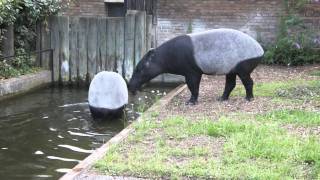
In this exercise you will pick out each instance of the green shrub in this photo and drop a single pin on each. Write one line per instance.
(295, 43)
(286, 51)
(25, 14)
(6, 70)
(20, 65)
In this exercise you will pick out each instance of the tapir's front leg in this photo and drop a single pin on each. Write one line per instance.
(193, 82)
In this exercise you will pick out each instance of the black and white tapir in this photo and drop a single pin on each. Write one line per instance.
(108, 95)
(215, 52)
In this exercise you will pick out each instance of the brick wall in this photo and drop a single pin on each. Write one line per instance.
(86, 8)
(259, 18)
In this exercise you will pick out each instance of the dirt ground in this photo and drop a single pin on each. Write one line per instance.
(208, 106)
(212, 87)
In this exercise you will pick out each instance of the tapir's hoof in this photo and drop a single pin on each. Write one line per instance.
(192, 103)
(221, 99)
(249, 99)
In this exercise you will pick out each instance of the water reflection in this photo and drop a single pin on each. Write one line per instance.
(45, 133)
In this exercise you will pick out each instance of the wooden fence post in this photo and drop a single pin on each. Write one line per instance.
(120, 46)
(82, 46)
(45, 44)
(149, 33)
(38, 42)
(140, 36)
(102, 38)
(55, 45)
(129, 29)
(92, 48)
(64, 48)
(111, 44)
(74, 53)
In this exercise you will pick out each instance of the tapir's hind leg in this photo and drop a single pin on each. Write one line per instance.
(229, 86)
(243, 70)
(193, 82)
(248, 85)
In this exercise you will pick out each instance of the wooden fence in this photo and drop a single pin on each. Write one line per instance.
(150, 6)
(83, 46)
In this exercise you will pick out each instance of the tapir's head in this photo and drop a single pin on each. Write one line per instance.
(148, 68)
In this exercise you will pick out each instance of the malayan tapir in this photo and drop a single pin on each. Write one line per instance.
(108, 95)
(214, 52)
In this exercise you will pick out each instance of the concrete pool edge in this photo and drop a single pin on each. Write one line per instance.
(84, 165)
(22, 84)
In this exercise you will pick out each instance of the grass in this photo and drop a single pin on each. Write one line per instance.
(238, 145)
(287, 116)
(295, 90)
(315, 73)
(252, 150)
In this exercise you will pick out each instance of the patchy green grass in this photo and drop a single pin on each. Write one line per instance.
(251, 150)
(268, 152)
(224, 128)
(298, 117)
(294, 90)
(242, 144)
(264, 89)
(315, 73)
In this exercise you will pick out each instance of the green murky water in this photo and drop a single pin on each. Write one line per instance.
(45, 133)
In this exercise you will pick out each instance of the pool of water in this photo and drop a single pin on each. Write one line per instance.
(46, 132)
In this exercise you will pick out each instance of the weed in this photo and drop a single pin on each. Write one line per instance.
(252, 150)
(298, 117)
(295, 90)
(315, 73)
(295, 43)
(17, 66)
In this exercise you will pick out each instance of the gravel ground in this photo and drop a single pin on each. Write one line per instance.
(211, 88)
(209, 107)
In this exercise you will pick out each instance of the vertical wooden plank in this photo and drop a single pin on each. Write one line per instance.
(82, 46)
(102, 38)
(55, 44)
(111, 44)
(92, 47)
(74, 53)
(140, 36)
(45, 44)
(149, 32)
(148, 6)
(129, 29)
(120, 45)
(64, 48)
(38, 42)
(154, 12)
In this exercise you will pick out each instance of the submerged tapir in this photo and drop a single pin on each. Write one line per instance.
(215, 52)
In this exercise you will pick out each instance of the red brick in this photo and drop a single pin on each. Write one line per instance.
(260, 17)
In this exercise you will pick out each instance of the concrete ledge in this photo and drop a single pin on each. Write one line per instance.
(168, 78)
(79, 171)
(22, 84)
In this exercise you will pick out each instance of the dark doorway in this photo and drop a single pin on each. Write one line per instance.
(116, 9)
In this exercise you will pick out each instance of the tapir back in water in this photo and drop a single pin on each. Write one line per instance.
(215, 52)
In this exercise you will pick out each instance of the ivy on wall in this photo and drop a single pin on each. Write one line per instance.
(23, 15)
(296, 44)
(31, 10)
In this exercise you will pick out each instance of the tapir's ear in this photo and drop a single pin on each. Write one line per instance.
(151, 51)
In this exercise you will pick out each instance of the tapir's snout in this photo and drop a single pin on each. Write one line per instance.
(132, 88)
(133, 92)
